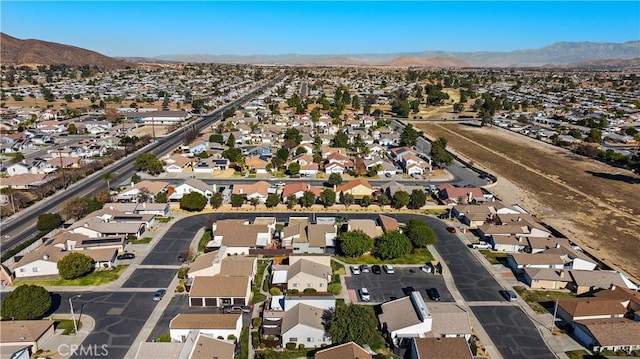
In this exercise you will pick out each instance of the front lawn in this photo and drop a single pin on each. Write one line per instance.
(419, 256)
(164, 219)
(143, 240)
(67, 325)
(206, 237)
(244, 344)
(542, 301)
(100, 277)
(256, 296)
(494, 257)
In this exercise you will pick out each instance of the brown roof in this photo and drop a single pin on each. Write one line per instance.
(352, 184)
(159, 350)
(260, 187)
(581, 307)
(235, 233)
(349, 350)
(368, 226)
(237, 266)
(619, 293)
(292, 188)
(302, 314)
(316, 234)
(219, 286)
(596, 278)
(442, 348)
(449, 318)
(388, 224)
(205, 321)
(398, 314)
(212, 348)
(152, 186)
(309, 267)
(613, 331)
(547, 274)
(13, 330)
(538, 258)
(203, 261)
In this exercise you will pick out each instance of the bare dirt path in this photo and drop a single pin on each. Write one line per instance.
(595, 205)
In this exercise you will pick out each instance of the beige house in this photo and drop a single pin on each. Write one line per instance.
(219, 290)
(309, 272)
(218, 262)
(349, 350)
(17, 334)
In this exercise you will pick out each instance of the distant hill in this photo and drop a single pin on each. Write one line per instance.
(611, 64)
(36, 52)
(557, 54)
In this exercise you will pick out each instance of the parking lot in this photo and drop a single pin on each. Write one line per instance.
(384, 287)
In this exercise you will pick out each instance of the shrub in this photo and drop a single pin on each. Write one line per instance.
(180, 289)
(291, 346)
(275, 291)
(335, 288)
(193, 202)
(75, 265)
(310, 290)
(182, 272)
(301, 346)
(26, 302)
(231, 337)
(255, 322)
(293, 291)
(48, 222)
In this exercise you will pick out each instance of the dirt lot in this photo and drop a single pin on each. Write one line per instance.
(597, 206)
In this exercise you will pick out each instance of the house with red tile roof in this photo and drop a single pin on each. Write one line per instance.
(359, 188)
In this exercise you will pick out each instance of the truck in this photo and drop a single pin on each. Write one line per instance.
(481, 245)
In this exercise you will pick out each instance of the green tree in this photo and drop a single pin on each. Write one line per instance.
(292, 200)
(355, 243)
(236, 200)
(193, 202)
(383, 200)
(365, 202)
(216, 138)
(108, 178)
(48, 222)
(293, 169)
(420, 233)
(75, 208)
(400, 199)
(341, 139)
(26, 302)
(233, 154)
(458, 107)
(216, 200)
(75, 265)
(135, 178)
(308, 199)
(409, 136)
(272, 200)
(417, 199)
(162, 197)
(347, 199)
(439, 152)
(393, 245)
(148, 162)
(595, 136)
(354, 323)
(300, 150)
(72, 129)
(231, 140)
(292, 137)
(328, 197)
(334, 179)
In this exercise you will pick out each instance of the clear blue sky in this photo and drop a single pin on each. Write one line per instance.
(122, 28)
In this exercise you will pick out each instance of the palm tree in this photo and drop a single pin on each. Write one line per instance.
(108, 177)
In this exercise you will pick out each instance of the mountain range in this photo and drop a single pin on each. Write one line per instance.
(562, 54)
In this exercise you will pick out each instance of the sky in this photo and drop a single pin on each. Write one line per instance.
(154, 28)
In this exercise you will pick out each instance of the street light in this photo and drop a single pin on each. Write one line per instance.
(73, 316)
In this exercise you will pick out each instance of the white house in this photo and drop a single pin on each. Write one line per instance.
(191, 185)
(304, 324)
(406, 317)
(225, 326)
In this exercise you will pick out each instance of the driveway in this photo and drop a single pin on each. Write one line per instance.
(150, 278)
(178, 238)
(384, 287)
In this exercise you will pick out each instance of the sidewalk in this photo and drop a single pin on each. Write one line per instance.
(63, 345)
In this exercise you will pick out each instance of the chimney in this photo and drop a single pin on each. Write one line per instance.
(561, 274)
(557, 245)
(308, 186)
(519, 219)
(612, 287)
(132, 184)
(334, 188)
(241, 190)
(144, 205)
(470, 197)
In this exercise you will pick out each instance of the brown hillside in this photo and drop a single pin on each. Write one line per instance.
(428, 62)
(16, 52)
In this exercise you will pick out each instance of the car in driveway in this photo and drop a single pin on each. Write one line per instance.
(236, 309)
(388, 268)
(126, 256)
(365, 295)
(481, 245)
(510, 295)
(364, 268)
(451, 230)
(157, 296)
(355, 270)
(433, 294)
(376, 269)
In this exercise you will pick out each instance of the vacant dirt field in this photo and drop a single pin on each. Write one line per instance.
(595, 205)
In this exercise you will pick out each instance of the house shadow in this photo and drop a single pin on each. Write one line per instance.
(615, 177)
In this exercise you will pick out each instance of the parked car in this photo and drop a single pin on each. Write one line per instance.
(157, 296)
(510, 295)
(355, 270)
(246, 309)
(364, 268)
(364, 295)
(451, 230)
(481, 245)
(236, 309)
(426, 268)
(126, 256)
(388, 268)
(433, 294)
(376, 269)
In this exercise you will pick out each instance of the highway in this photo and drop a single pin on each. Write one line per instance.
(22, 226)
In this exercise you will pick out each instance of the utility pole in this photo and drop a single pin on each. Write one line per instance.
(553, 321)
(64, 180)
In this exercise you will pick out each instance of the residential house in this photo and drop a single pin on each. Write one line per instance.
(586, 281)
(617, 334)
(414, 165)
(207, 347)
(139, 192)
(322, 300)
(219, 290)
(380, 166)
(388, 224)
(298, 189)
(25, 181)
(449, 320)
(309, 272)
(358, 188)
(368, 226)
(406, 317)
(475, 215)
(390, 188)
(239, 236)
(218, 262)
(259, 190)
(210, 165)
(546, 278)
(257, 164)
(18, 334)
(304, 324)
(191, 185)
(107, 222)
(337, 162)
(439, 348)
(348, 350)
(461, 195)
(177, 163)
(227, 326)
(519, 261)
(158, 209)
(158, 117)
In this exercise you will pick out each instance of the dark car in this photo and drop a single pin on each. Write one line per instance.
(157, 296)
(408, 290)
(126, 256)
(451, 230)
(364, 268)
(376, 269)
(433, 294)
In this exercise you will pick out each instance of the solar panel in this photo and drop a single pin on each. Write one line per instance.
(101, 241)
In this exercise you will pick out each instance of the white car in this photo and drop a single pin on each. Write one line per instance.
(481, 245)
(388, 269)
(364, 295)
(355, 270)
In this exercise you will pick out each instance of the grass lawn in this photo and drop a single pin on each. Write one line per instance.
(143, 240)
(542, 301)
(164, 219)
(244, 344)
(494, 257)
(206, 237)
(94, 278)
(419, 256)
(67, 325)
(284, 354)
(256, 296)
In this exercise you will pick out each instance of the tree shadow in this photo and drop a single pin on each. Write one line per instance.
(56, 300)
(616, 177)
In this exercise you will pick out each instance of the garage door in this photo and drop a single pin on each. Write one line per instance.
(210, 302)
(195, 302)
(238, 301)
